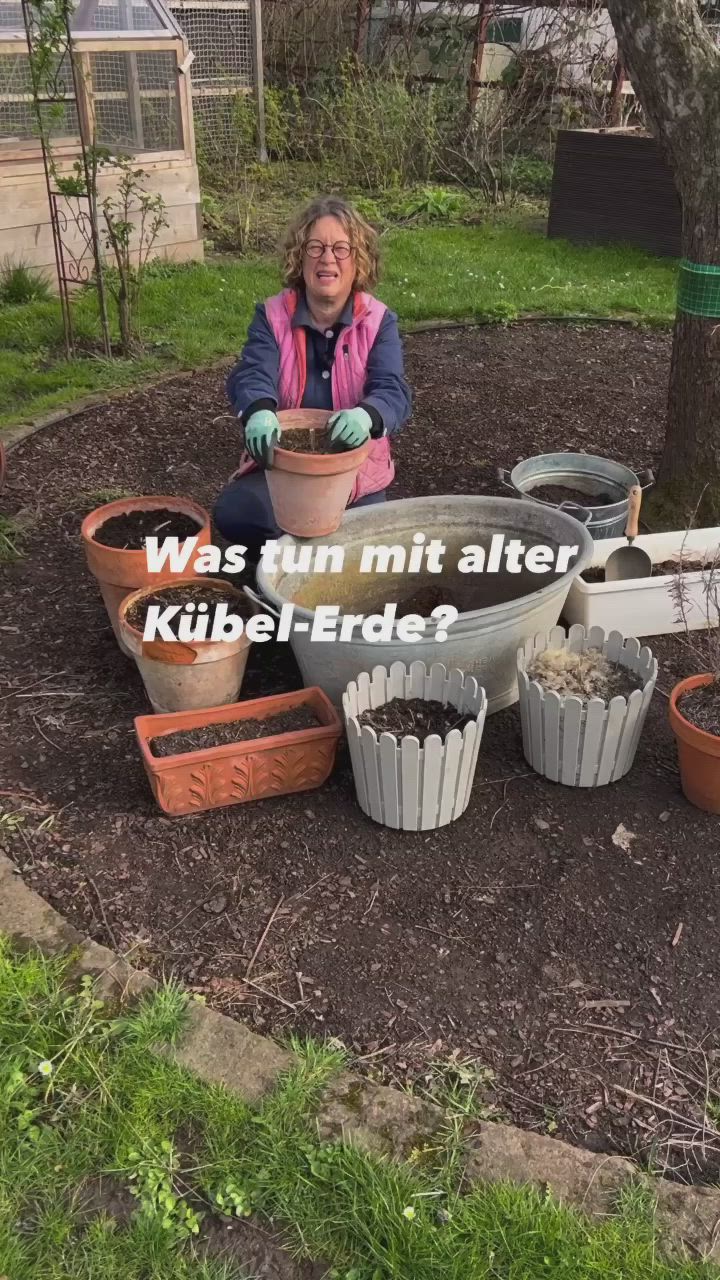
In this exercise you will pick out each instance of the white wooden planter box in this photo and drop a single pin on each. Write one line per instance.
(401, 783)
(644, 606)
(576, 743)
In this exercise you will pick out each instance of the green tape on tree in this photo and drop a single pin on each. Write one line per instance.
(699, 290)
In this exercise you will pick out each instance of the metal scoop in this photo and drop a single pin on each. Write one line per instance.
(629, 562)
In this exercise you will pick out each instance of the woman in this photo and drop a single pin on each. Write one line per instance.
(324, 342)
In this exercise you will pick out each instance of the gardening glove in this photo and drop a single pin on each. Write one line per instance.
(349, 428)
(262, 433)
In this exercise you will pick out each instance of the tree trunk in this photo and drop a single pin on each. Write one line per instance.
(674, 66)
(690, 469)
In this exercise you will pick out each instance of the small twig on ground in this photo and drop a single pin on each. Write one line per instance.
(426, 929)
(14, 692)
(106, 922)
(510, 777)
(25, 795)
(270, 994)
(371, 904)
(44, 735)
(301, 989)
(376, 1053)
(606, 1004)
(631, 1035)
(53, 693)
(677, 934)
(504, 801)
(543, 1067)
(659, 1106)
(263, 936)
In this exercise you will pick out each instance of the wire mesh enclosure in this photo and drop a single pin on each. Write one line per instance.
(136, 100)
(126, 54)
(120, 82)
(224, 36)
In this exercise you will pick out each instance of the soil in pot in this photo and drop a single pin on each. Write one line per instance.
(186, 594)
(127, 532)
(302, 441)
(582, 675)
(414, 717)
(561, 493)
(424, 599)
(701, 707)
(658, 570)
(292, 720)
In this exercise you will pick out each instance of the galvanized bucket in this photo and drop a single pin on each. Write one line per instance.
(586, 473)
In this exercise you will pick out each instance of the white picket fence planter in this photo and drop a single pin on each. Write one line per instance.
(576, 743)
(401, 783)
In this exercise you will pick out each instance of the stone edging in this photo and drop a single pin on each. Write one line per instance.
(380, 1120)
(14, 435)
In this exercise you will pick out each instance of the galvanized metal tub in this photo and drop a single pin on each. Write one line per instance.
(586, 473)
(482, 642)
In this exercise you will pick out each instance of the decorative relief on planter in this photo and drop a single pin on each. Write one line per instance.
(237, 772)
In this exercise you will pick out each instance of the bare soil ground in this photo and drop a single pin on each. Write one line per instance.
(566, 941)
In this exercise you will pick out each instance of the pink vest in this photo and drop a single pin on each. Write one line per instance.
(348, 376)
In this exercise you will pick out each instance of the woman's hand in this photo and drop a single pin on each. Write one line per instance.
(262, 433)
(349, 428)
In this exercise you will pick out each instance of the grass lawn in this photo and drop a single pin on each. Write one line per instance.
(83, 1099)
(195, 314)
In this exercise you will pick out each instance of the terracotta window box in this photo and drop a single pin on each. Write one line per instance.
(250, 769)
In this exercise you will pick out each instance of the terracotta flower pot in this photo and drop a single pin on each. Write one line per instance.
(117, 571)
(186, 677)
(310, 491)
(698, 751)
(238, 772)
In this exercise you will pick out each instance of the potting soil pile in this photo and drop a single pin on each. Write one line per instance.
(216, 735)
(664, 569)
(302, 441)
(701, 707)
(582, 675)
(414, 717)
(187, 594)
(558, 493)
(127, 532)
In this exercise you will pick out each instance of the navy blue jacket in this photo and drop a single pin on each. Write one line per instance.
(253, 382)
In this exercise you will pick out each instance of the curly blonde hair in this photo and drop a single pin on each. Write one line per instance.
(362, 237)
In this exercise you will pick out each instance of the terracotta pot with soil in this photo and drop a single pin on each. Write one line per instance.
(694, 712)
(200, 760)
(584, 698)
(187, 675)
(414, 736)
(114, 540)
(309, 485)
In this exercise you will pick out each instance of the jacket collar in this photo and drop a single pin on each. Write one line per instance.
(301, 317)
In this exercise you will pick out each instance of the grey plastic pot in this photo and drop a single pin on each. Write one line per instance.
(584, 743)
(586, 473)
(482, 641)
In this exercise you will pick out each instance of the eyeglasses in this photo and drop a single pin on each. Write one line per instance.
(316, 248)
